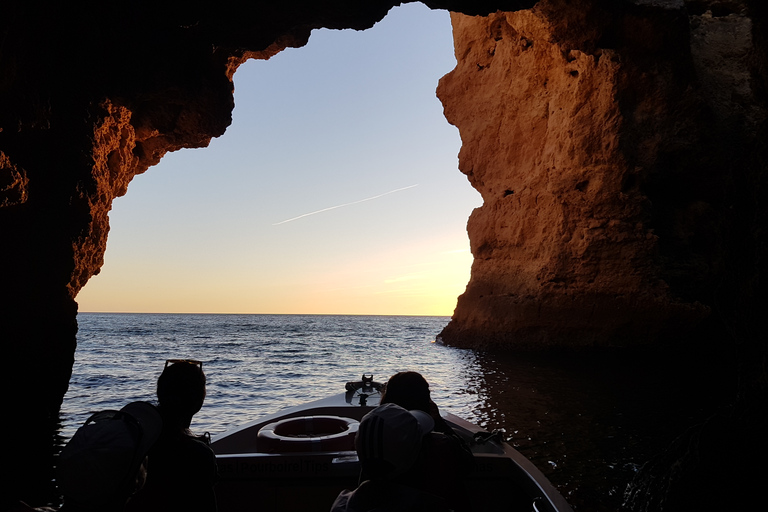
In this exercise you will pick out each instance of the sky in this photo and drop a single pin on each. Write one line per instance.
(336, 190)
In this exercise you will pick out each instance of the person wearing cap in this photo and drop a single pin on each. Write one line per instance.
(389, 447)
(447, 458)
(181, 471)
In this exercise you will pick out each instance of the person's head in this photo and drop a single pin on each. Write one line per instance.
(388, 441)
(181, 388)
(409, 390)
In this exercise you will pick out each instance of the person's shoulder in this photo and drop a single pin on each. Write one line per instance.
(441, 440)
(404, 498)
(186, 452)
(341, 503)
(451, 451)
(199, 448)
(198, 442)
(387, 496)
(368, 496)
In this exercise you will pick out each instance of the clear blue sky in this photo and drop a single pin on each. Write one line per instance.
(346, 129)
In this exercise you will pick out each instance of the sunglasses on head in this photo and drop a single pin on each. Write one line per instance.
(184, 361)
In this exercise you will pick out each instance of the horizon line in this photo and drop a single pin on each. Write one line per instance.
(263, 314)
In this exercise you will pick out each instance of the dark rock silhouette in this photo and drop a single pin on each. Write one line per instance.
(619, 147)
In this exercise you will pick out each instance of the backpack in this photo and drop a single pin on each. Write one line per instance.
(100, 464)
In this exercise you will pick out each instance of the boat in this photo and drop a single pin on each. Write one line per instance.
(300, 458)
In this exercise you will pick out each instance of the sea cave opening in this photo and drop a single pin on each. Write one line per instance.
(334, 191)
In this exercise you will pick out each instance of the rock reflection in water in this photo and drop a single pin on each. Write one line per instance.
(590, 421)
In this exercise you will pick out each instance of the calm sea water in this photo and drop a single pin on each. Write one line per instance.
(257, 364)
(588, 422)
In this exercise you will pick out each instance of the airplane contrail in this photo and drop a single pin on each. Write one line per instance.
(345, 204)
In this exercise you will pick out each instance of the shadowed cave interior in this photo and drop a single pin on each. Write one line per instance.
(619, 148)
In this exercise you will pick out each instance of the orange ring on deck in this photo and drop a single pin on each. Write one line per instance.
(308, 434)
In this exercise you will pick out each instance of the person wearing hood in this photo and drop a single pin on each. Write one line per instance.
(389, 447)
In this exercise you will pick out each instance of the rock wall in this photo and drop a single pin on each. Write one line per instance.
(602, 140)
(91, 94)
(620, 152)
(618, 146)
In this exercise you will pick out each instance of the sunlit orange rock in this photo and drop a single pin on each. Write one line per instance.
(590, 141)
(619, 147)
(92, 94)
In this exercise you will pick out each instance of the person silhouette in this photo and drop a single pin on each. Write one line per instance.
(389, 447)
(181, 469)
(447, 458)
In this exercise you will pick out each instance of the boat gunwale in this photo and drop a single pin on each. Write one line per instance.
(539, 484)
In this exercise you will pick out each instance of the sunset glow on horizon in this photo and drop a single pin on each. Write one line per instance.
(336, 190)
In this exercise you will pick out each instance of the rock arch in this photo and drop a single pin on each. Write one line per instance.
(618, 145)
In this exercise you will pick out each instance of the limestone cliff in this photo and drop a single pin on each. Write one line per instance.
(619, 146)
(594, 137)
(91, 94)
(620, 152)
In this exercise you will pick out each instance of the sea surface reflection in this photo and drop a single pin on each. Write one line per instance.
(588, 421)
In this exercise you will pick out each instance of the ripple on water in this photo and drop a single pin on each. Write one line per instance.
(587, 424)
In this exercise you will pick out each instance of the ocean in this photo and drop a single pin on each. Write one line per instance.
(587, 421)
(256, 364)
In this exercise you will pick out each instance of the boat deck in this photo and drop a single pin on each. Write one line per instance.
(250, 479)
